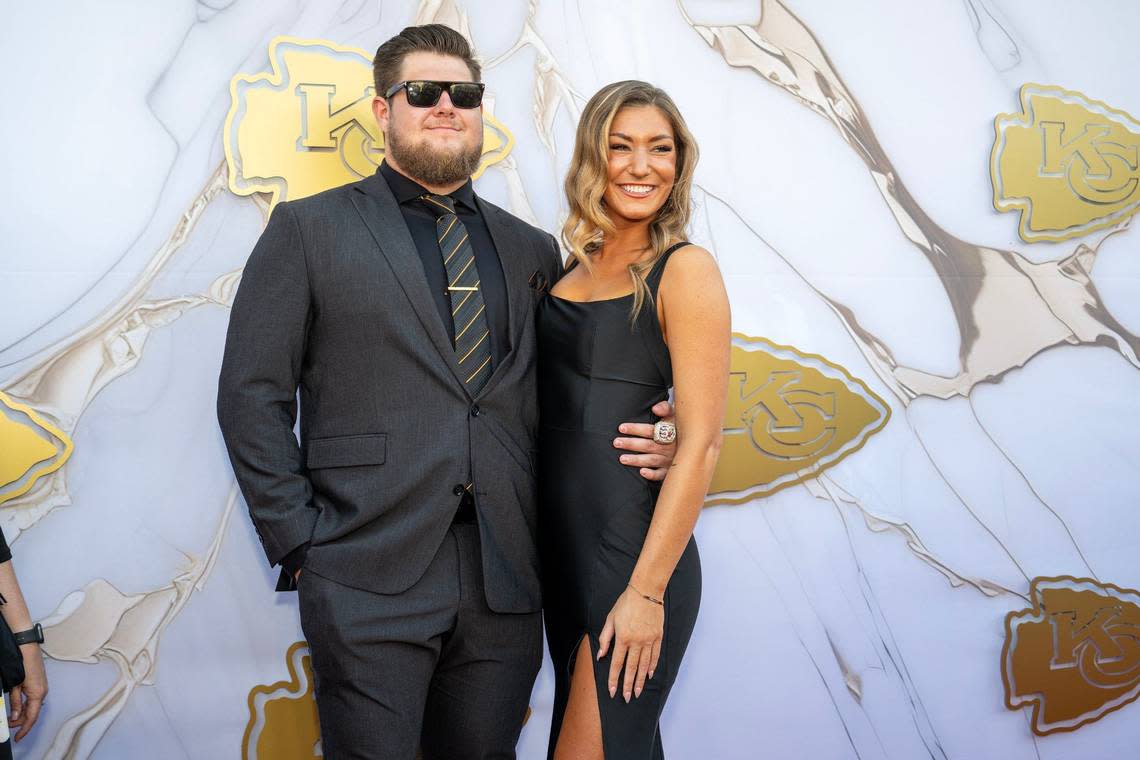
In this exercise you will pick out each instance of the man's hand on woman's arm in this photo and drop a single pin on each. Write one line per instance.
(640, 450)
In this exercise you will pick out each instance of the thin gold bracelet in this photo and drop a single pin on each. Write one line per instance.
(647, 597)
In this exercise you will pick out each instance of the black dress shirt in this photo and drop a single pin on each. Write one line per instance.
(421, 224)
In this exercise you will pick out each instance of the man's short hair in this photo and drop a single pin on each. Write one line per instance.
(429, 38)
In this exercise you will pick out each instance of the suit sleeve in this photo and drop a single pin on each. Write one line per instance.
(556, 270)
(257, 388)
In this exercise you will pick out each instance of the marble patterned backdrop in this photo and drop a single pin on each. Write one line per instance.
(844, 188)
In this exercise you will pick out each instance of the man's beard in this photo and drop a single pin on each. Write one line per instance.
(433, 167)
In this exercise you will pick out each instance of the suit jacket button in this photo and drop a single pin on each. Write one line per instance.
(458, 490)
(475, 411)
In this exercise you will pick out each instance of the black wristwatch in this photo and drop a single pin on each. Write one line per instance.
(34, 635)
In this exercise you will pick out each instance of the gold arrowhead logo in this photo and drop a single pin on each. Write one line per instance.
(30, 448)
(307, 125)
(790, 415)
(1070, 164)
(283, 721)
(1075, 656)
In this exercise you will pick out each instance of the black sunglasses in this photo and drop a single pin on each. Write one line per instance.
(425, 93)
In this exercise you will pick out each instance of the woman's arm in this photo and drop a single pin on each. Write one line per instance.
(698, 330)
(27, 698)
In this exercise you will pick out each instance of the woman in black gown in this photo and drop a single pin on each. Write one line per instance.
(621, 574)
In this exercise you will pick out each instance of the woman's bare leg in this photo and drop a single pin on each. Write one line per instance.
(581, 734)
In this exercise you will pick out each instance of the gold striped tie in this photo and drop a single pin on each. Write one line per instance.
(468, 312)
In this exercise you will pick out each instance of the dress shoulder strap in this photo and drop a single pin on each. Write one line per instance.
(649, 327)
(653, 279)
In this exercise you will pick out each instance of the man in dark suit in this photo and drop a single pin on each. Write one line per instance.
(401, 308)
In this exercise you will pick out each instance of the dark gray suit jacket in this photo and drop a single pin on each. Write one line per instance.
(334, 304)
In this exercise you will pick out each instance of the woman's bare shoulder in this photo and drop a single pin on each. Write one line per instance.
(690, 267)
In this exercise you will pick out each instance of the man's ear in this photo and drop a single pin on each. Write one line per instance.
(380, 111)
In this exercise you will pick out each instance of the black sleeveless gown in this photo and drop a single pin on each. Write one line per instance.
(596, 371)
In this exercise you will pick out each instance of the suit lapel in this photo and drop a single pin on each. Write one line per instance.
(381, 214)
(513, 255)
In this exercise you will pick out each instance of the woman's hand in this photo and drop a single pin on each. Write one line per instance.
(27, 698)
(634, 626)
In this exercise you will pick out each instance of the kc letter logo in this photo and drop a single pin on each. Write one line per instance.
(1075, 656)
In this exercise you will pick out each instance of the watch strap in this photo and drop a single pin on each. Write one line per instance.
(34, 635)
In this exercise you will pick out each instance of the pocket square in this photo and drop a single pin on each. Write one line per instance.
(538, 282)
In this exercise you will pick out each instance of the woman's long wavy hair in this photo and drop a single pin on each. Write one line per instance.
(588, 223)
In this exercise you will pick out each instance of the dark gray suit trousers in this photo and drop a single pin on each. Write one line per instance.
(431, 667)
